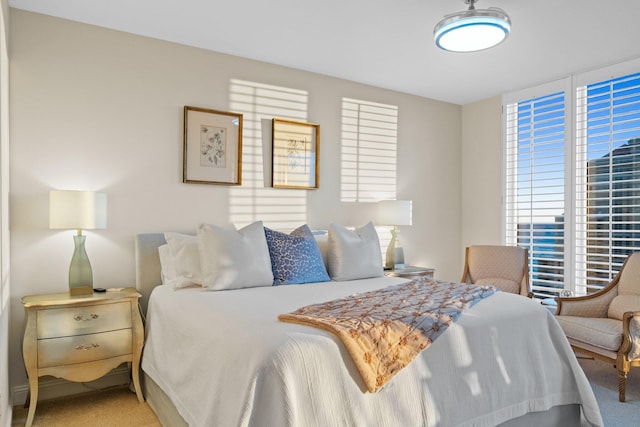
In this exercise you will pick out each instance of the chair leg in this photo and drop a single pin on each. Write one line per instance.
(622, 382)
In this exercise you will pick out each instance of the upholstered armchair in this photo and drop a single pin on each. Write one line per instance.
(606, 324)
(505, 267)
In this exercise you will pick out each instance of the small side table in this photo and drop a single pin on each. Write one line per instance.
(410, 271)
(81, 338)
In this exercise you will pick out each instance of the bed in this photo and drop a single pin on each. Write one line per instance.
(222, 358)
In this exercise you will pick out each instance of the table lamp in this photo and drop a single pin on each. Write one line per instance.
(395, 213)
(79, 210)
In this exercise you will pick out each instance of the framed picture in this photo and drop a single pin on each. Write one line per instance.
(212, 147)
(295, 154)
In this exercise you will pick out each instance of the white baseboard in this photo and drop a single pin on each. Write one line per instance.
(51, 388)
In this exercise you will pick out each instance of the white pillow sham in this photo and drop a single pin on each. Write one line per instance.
(186, 259)
(233, 259)
(167, 266)
(354, 254)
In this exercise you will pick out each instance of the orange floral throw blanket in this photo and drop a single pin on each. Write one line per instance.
(385, 329)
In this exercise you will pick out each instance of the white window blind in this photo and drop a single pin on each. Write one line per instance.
(607, 179)
(578, 235)
(535, 186)
(369, 154)
(282, 210)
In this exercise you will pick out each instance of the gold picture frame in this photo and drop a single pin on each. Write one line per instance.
(295, 154)
(212, 147)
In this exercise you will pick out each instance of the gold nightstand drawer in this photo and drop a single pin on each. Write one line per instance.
(83, 348)
(68, 321)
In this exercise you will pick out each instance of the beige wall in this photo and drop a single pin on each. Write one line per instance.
(102, 110)
(5, 291)
(481, 214)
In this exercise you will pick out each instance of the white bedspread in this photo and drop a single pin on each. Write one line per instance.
(225, 360)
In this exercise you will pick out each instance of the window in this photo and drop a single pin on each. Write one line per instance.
(608, 179)
(535, 181)
(572, 179)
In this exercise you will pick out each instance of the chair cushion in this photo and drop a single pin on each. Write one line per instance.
(505, 285)
(600, 332)
(623, 303)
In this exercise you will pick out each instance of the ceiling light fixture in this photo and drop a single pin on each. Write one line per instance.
(472, 30)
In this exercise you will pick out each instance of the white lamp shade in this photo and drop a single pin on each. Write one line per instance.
(82, 210)
(395, 212)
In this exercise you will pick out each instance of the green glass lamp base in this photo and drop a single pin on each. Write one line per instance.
(395, 254)
(80, 273)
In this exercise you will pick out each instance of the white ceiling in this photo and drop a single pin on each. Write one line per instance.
(385, 43)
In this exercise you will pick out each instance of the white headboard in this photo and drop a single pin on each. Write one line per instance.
(148, 274)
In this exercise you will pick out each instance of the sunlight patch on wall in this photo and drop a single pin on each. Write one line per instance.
(280, 209)
(369, 155)
(369, 151)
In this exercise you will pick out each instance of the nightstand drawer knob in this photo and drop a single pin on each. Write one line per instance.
(85, 317)
(87, 347)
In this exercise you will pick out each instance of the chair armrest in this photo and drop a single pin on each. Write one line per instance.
(594, 305)
(631, 335)
(525, 286)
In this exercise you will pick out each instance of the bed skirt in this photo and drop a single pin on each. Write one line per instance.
(161, 404)
(566, 415)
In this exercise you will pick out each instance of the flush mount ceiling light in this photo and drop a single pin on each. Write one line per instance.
(472, 30)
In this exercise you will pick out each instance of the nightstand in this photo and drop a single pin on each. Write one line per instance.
(410, 272)
(81, 338)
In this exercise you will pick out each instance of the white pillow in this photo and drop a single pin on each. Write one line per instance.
(233, 259)
(186, 259)
(354, 254)
(322, 239)
(167, 266)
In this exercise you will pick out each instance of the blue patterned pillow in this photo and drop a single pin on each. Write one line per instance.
(295, 257)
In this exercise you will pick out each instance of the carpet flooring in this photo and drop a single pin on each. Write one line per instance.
(604, 382)
(119, 407)
(113, 407)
